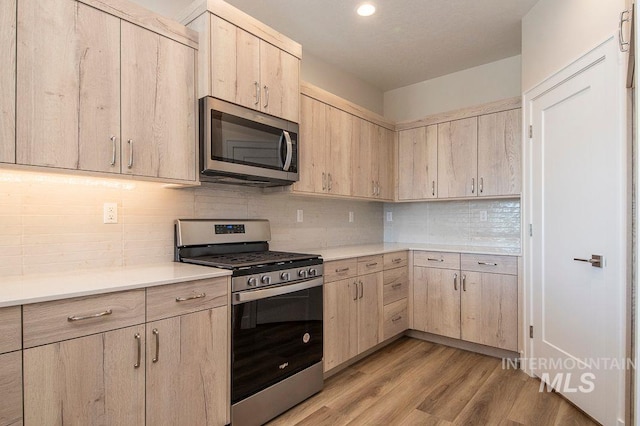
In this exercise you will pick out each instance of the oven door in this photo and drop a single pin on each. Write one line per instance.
(276, 332)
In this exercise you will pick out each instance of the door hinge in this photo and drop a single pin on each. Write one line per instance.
(531, 230)
(530, 131)
(531, 332)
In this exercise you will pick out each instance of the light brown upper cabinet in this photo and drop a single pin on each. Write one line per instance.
(457, 158)
(418, 163)
(385, 163)
(499, 153)
(371, 158)
(244, 61)
(311, 157)
(8, 81)
(338, 158)
(98, 93)
(158, 105)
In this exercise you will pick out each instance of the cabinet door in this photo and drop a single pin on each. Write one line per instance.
(248, 89)
(418, 163)
(280, 80)
(223, 59)
(90, 380)
(363, 155)
(311, 154)
(385, 163)
(68, 86)
(490, 309)
(437, 301)
(11, 388)
(8, 81)
(340, 322)
(369, 311)
(458, 158)
(158, 105)
(187, 369)
(499, 153)
(338, 160)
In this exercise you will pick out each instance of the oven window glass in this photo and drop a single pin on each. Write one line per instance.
(274, 338)
(241, 141)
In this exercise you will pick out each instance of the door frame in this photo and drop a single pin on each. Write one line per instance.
(609, 48)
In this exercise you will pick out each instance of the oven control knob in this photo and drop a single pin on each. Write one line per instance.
(302, 273)
(252, 282)
(266, 279)
(285, 276)
(313, 272)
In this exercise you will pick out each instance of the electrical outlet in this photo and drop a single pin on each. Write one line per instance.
(110, 213)
(299, 216)
(483, 215)
(389, 216)
(351, 218)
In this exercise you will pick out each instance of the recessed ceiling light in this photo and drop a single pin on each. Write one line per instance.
(366, 9)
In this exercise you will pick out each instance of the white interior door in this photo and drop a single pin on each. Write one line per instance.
(577, 206)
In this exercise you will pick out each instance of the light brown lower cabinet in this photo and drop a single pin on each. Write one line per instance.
(11, 389)
(436, 301)
(92, 380)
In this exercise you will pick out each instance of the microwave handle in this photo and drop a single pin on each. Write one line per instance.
(287, 161)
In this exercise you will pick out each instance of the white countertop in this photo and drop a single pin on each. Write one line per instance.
(347, 252)
(25, 289)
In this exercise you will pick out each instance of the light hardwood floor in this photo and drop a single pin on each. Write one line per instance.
(412, 382)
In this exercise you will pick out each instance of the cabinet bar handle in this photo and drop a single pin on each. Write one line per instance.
(139, 344)
(130, 142)
(397, 260)
(431, 259)
(266, 96)
(342, 270)
(464, 283)
(433, 188)
(373, 188)
(487, 264)
(624, 45)
(324, 181)
(257, 93)
(481, 185)
(113, 150)
(157, 334)
(455, 282)
(398, 318)
(330, 182)
(73, 318)
(473, 185)
(195, 296)
(396, 285)
(371, 265)
(355, 286)
(378, 189)
(361, 290)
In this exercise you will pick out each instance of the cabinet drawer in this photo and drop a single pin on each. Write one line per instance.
(436, 259)
(340, 270)
(58, 320)
(396, 319)
(396, 285)
(490, 263)
(183, 298)
(10, 329)
(370, 264)
(396, 260)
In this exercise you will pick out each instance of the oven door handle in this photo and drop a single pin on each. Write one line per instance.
(248, 296)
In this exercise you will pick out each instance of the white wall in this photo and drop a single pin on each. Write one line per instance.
(473, 86)
(555, 33)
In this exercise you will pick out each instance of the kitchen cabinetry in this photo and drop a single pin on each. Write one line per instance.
(8, 81)
(338, 158)
(245, 62)
(395, 294)
(372, 159)
(468, 297)
(10, 366)
(457, 158)
(418, 163)
(103, 94)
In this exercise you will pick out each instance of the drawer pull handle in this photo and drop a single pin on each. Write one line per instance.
(157, 334)
(396, 285)
(431, 259)
(371, 265)
(139, 344)
(396, 319)
(487, 264)
(342, 270)
(397, 260)
(73, 318)
(195, 296)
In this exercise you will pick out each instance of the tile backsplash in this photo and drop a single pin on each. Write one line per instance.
(494, 223)
(53, 223)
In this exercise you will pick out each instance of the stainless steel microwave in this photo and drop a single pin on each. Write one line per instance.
(242, 146)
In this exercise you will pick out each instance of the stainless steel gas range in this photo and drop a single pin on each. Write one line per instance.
(276, 315)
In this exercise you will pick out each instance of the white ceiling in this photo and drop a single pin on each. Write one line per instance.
(405, 42)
